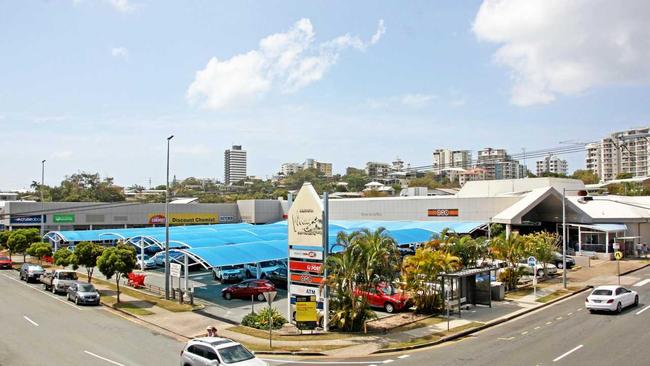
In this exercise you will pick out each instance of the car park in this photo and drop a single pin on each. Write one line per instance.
(31, 272)
(148, 262)
(217, 351)
(557, 261)
(83, 293)
(611, 298)
(386, 297)
(5, 262)
(229, 273)
(247, 289)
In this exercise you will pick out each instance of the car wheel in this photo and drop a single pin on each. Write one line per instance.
(227, 296)
(559, 265)
(69, 298)
(390, 308)
(619, 308)
(540, 273)
(260, 297)
(293, 316)
(54, 289)
(248, 274)
(76, 300)
(592, 311)
(263, 276)
(636, 300)
(45, 288)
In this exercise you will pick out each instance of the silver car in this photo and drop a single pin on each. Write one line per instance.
(29, 272)
(217, 351)
(83, 293)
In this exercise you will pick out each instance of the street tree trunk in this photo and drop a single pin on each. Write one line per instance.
(117, 282)
(89, 271)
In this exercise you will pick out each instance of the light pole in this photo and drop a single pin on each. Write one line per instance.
(42, 202)
(564, 237)
(167, 224)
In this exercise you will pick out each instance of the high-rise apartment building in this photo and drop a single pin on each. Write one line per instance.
(234, 165)
(325, 168)
(290, 168)
(378, 170)
(499, 165)
(444, 159)
(622, 152)
(552, 164)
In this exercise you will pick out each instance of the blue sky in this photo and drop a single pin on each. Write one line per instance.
(94, 85)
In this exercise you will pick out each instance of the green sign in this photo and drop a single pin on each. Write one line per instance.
(63, 218)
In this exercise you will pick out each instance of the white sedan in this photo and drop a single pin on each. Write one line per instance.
(611, 298)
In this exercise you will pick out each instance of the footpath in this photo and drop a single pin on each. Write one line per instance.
(185, 321)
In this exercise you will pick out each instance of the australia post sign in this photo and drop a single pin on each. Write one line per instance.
(306, 218)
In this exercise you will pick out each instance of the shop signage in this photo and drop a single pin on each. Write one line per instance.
(305, 266)
(184, 218)
(34, 219)
(442, 212)
(305, 278)
(306, 309)
(63, 218)
(175, 270)
(306, 254)
(306, 218)
(307, 291)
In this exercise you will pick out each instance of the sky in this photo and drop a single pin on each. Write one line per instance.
(98, 85)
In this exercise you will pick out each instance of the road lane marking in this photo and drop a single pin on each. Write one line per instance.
(558, 318)
(642, 310)
(45, 293)
(303, 362)
(567, 353)
(524, 333)
(549, 323)
(403, 356)
(537, 328)
(569, 314)
(103, 358)
(579, 309)
(31, 321)
(506, 339)
(641, 283)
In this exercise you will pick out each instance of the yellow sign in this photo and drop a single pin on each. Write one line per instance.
(306, 311)
(184, 218)
(618, 255)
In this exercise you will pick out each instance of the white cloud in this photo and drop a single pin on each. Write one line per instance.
(50, 119)
(120, 52)
(559, 47)
(287, 61)
(417, 100)
(412, 100)
(381, 30)
(123, 6)
(62, 155)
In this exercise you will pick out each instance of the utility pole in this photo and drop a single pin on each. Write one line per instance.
(326, 248)
(564, 237)
(42, 198)
(167, 224)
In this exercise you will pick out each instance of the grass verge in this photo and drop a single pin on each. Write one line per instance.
(281, 337)
(126, 306)
(265, 348)
(557, 294)
(419, 324)
(433, 337)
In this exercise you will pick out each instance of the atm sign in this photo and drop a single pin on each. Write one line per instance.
(305, 266)
(442, 212)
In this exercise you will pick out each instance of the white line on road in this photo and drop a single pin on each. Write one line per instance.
(549, 323)
(43, 292)
(31, 321)
(537, 328)
(641, 283)
(642, 310)
(103, 358)
(303, 362)
(524, 333)
(506, 339)
(567, 353)
(569, 314)
(579, 309)
(403, 356)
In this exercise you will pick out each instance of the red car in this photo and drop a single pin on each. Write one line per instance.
(5, 262)
(246, 289)
(386, 297)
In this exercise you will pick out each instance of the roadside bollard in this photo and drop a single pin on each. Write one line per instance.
(181, 294)
(191, 292)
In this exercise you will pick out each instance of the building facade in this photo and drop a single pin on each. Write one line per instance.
(378, 170)
(290, 168)
(234, 165)
(499, 165)
(444, 159)
(325, 168)
(621, 152)
(552, 164)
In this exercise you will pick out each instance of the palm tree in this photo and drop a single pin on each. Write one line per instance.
(421, 272)
(511, 250)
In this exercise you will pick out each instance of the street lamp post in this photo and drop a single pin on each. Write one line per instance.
(42, 201)
(564, 237)
(167, 224)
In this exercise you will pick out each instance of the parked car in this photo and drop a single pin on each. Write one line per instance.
(279, 277)
(557, 261)
(83, 293)
(148, 262)
(403, 252)
(265, 268)
(551, 269)
(58, 280)
(246, 289)
(159, 258)
(217, 351)
(5, 262)
(611, 298)
(30, 271)
(386, 297)
(229, 273)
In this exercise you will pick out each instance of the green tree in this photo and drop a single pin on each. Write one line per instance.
(624, 175)
(542, 246)
(467, 249)
(511, 250)
(4, 236)
(18, 243)
(40, 250)
(116, 262)
(87, 254)
(587, 176)
(420, 272)
(65, 257)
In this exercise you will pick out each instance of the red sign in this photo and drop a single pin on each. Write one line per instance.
(157, 219)
(305, 266)
(305, 278)
(444, 212)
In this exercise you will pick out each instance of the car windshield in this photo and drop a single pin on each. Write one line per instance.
(388, 290)
(228, 268)
(235, 354)
(86, 288)
(35, 268)
(4, 258)
(67, 276)
(602, 292)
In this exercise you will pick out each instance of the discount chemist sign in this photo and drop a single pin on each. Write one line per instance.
(185, 218)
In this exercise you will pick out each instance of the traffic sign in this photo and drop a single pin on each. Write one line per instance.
(305, 266)
(618, 255)
(269, 296)
(532, 261)
(175, 270)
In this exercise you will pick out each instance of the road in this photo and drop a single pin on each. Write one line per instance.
(561, 334)
(38, 328)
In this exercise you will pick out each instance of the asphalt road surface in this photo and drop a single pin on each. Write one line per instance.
(39, 328)
(561, 334)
